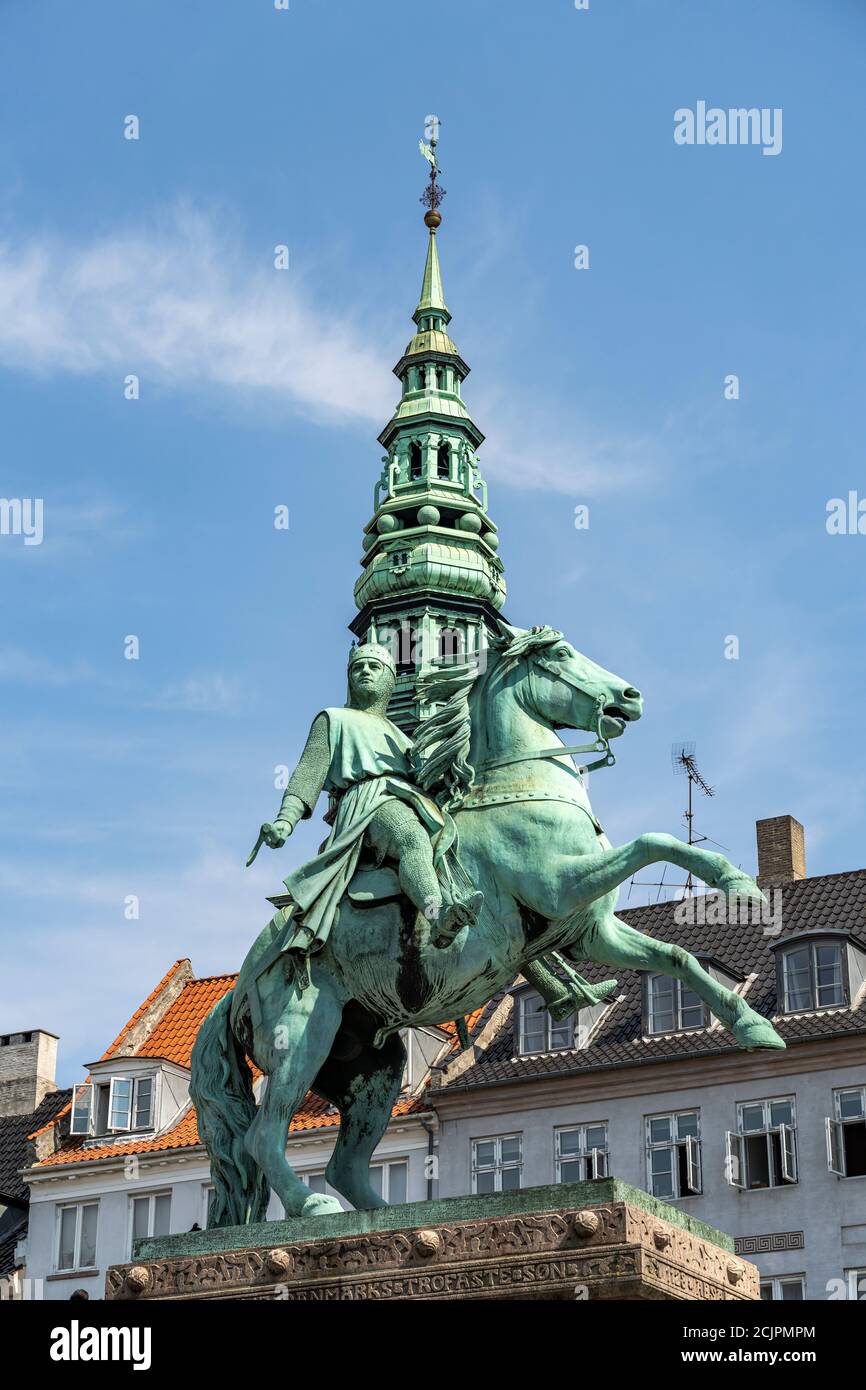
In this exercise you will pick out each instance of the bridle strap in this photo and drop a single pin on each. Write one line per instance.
(601, 745)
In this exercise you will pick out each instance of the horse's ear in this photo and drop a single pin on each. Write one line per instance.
(504, 634)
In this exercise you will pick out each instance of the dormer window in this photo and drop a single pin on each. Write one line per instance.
(121, 1104)
(672, 1007)
(537, 1031)
(669, 1006)
(813, 976)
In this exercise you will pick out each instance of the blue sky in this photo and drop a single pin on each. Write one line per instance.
(601, 387)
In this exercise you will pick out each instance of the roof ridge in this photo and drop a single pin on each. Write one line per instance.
(142, 1009)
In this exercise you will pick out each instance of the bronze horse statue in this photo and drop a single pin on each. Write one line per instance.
(528, 839)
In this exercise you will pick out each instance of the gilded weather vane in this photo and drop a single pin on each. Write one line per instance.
(433, 194)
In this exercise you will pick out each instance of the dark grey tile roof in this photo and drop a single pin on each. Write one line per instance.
(13, 1227)
(15, 1150)
(836, 901)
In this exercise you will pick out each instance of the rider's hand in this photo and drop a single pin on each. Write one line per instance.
(276, 833)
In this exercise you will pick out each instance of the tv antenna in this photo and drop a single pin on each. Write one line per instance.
(684, 764)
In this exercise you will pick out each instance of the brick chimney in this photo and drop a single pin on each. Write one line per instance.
(27, 1066)
(781, 850)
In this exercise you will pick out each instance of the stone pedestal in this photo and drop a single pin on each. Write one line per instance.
(576, 1241)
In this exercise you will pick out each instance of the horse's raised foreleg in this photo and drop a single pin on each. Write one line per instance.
(291, 1045)
(589, 877)
(616, 943)
(364, 1091)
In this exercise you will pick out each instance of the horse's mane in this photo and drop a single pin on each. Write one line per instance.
(440, 753)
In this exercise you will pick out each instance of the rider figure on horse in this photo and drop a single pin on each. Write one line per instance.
(377, 812)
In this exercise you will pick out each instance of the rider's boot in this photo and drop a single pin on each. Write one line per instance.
(454, 916)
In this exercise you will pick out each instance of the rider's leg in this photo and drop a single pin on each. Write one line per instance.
(397, 833)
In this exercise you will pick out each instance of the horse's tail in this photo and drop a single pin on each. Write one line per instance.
(221, 1088)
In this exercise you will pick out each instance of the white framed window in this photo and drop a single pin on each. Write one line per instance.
(785, 1289)
(674, 1154)
(813, 976)
(391, 1180)
(149, 1215)
(130, 1103)
(672, 1007)
(581, 1152)
(762, 1152)
(537, 1031)
(82, 1110)
(846, 1133)
(497, 1163)
(208, 1197)
(856, 1284)
(76, 1235)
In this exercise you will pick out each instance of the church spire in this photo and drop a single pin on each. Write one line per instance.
(432, 583)
(432, 296)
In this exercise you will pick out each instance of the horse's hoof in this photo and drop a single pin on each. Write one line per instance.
(738, 884)
(320, 1204)
(752, 1031)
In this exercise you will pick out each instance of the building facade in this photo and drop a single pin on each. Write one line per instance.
(29, 1101)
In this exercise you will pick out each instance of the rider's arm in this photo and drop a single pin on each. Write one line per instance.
(306, 782)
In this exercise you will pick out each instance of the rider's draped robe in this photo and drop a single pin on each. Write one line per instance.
(364, 764)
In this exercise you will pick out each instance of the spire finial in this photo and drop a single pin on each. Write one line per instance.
(433, 194)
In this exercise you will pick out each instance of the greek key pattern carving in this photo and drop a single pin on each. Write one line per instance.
(765, 1245)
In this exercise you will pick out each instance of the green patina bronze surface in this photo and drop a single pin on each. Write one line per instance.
(459, 857)
(555, 1197)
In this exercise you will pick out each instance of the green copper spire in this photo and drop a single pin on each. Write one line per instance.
(432, 294)
(432, 583)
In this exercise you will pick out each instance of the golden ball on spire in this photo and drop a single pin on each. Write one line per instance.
(432, 219)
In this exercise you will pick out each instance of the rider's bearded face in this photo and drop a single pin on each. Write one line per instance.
(370, 683)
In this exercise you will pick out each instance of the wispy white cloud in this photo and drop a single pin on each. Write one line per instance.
(561, 456)
(205, 694)
(20, 667)
(179, 303)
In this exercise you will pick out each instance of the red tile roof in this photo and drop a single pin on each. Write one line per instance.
(172, 1040)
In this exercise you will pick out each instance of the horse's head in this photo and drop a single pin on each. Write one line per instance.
(569, 691)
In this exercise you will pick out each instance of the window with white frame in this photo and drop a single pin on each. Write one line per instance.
(856, 1284)
(813, 976)
(672, 1007)
(121, 1104)
(150, 1215)
(208, 1197)
(76, 1236)
(537, 1031)
(581, 1152)
(497, 1163)
(674, 1154)
(762, 1152)
(390, 1179)
(785, 1289)
(846, 1133)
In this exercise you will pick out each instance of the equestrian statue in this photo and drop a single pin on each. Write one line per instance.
(454, 863)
